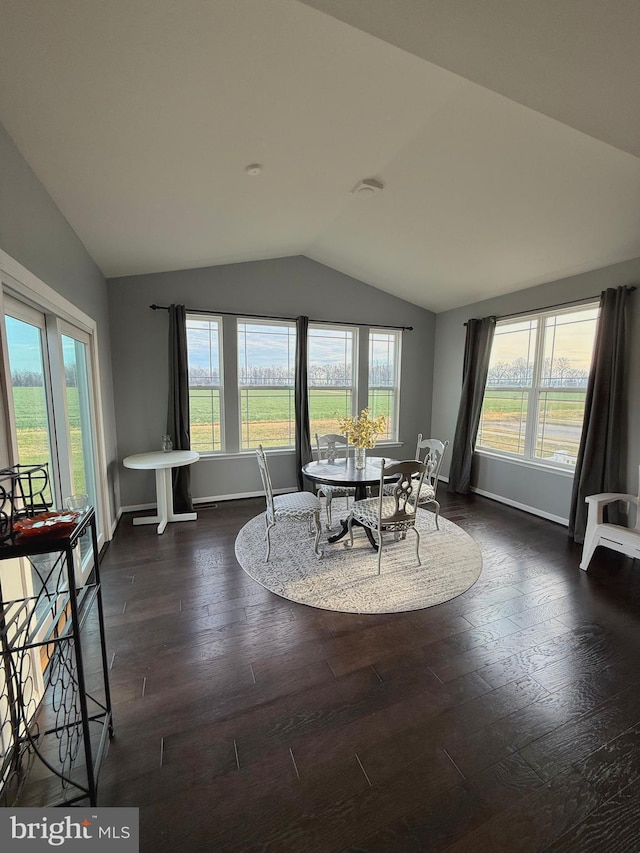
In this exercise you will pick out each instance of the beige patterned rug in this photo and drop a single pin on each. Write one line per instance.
(348, 580)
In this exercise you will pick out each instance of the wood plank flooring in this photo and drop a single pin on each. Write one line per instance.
(507, 719)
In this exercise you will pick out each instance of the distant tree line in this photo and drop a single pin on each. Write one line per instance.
(319, 374)
(519, 372)
(34, 379)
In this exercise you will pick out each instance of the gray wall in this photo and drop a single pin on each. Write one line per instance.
(35, 233)
(281, 287)
(549, 493)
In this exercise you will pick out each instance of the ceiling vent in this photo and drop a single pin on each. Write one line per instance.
(369, 186)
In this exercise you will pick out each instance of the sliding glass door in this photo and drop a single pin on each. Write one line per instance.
(31, 390)
(52, 409)
(79, 405)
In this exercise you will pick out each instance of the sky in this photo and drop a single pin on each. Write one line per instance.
(25, 353)
(269, 345)
(573, 340)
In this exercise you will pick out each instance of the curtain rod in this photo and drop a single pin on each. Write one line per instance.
(582, 301)
(155, 307)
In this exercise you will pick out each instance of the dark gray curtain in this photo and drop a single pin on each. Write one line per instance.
(600, 456)
(477, 351)
(178, 414)
(303, 434)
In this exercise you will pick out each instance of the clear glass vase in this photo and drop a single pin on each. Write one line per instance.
(361, 457)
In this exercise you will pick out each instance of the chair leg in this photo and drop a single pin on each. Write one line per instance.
(350, 529)
(379, 550)
(417, 545)
(591, 541)
(437, 514)
(267, 536)
(316, 550)
(327, 505)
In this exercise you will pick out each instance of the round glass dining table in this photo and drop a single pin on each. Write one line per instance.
(343, 472)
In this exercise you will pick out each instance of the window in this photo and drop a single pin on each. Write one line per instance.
(534, 400)
(331, 376)
(53, 410)
(384, 378)
(204, 356)
(29, 374)
(266, 372)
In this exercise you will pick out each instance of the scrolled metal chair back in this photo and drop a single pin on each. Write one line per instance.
(405, 490)
(265, 476)
(328, 446)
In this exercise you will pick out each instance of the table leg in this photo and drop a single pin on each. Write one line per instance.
(164, 493)
(345, 530)
(164, 497)
(171, 515)
(361, 493)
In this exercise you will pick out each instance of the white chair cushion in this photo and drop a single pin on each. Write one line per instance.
(367, 511)
(296, 504)
(427, 492)
(336, 490)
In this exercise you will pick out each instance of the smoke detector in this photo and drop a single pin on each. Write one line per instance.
(368, 186)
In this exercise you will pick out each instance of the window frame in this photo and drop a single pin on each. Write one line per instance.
(251, 321)
(534, 391)
(210, 318)
(353, 387)
(394, 431)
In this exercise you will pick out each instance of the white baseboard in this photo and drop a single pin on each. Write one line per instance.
(207, 500)
(532, 510)
(115, 522)
(137, 508)
(239, 495)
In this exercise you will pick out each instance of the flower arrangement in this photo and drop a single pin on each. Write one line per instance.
(363, 430)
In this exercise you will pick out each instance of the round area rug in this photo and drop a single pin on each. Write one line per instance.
(347, 579)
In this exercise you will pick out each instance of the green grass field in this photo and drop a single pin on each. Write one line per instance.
(561, 412)
(266, 418)
(505, 404)
(267, 421)
(31, 427)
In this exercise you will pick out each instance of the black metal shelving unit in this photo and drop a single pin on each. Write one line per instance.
(53, 741)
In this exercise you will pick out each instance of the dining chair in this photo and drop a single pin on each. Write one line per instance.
(330, 448)
(293, 505)
(430, 451)
(394, 510)
(625, 540)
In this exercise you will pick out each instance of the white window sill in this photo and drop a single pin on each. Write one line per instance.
(276, 451)
(564, 471)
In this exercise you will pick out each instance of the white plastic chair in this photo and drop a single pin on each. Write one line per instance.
(625, 540)
(296, 505)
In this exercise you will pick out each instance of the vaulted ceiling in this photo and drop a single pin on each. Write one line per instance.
(506, 134)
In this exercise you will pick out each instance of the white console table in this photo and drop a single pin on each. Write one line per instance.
(162, 462)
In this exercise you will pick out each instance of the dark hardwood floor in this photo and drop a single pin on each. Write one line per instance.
(504, 720)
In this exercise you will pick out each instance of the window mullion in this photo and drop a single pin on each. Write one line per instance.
(533, 402)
